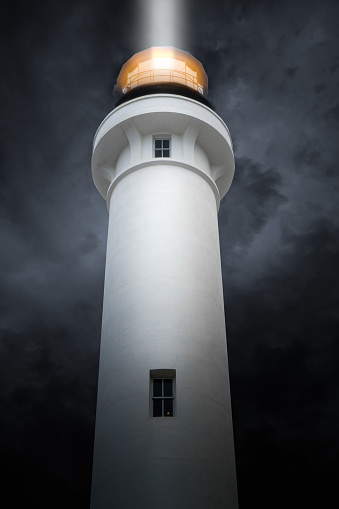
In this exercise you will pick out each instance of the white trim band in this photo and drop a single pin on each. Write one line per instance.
(164, 162)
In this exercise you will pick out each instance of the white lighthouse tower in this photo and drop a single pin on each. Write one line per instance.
(163, 159)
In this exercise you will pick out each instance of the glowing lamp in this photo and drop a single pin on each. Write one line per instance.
(162, 64)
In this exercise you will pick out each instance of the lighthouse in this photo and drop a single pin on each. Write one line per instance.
(163, 159)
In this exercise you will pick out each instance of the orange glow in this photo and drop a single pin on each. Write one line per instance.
(162, 64)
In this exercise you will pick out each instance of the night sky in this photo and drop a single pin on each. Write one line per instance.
(273, 72)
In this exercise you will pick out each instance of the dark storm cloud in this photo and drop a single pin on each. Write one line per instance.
(284, 341)
(254, 200)
(273, 72)
(39, 418)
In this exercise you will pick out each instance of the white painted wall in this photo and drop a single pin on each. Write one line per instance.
(163, 309)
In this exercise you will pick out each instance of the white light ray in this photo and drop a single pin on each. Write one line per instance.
(162, 22)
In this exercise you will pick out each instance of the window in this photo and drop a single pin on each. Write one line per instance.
(162, 147)
(162, 393)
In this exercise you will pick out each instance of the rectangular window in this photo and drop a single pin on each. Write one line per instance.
(162, 392)
(162, 147)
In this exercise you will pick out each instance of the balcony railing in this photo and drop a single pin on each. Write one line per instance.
(162, 76)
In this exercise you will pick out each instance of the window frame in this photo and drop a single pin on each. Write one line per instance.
(161, 149)
(164, 374)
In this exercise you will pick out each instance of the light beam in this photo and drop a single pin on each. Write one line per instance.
(162, 22)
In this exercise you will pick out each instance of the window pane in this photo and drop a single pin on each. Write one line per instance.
(166, 153)
(157, 143)
(165, 143)
(168, 407)
(157, 408)
(168, 387)
(158, 153)
(157, 387)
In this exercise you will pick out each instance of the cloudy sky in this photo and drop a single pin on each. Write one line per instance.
(273, 72)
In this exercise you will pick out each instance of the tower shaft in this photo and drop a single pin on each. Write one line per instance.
(163, 315)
